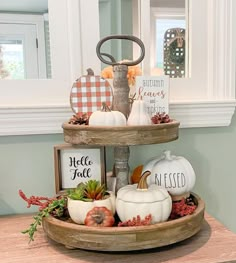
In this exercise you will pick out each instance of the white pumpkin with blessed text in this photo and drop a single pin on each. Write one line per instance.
(174, 173)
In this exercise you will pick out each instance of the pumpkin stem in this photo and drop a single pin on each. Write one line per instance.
(90, 72)
(132, 99)
(168, 156)
(98, 218)
(105, 108)
(143, 181)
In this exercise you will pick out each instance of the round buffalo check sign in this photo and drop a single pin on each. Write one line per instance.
(88, 93)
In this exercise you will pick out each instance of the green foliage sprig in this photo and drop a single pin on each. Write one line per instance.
(89, 191)
(47, 206)
(56, 208)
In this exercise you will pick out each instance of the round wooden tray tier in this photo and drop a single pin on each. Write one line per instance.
(125, 238)
(121, 135)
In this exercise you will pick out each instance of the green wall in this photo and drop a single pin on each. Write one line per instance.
(116, 20)
(26, 162)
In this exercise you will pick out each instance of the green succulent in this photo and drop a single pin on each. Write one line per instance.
(76, 193)
(89, 191)
(56, 208)
(94, 190)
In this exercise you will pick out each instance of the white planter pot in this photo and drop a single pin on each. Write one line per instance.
(78, 209)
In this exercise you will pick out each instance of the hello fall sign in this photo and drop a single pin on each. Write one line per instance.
(154, 90)
(80, 165)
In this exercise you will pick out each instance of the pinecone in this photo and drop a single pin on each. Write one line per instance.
(79, 120)
(160, 118)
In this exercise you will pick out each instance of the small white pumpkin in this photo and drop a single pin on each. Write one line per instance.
(134, 200)
(138, 114)
(174, 173)
(78, 209)
(107, 117)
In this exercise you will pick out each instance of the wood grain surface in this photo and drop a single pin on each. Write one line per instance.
(121, 135)
(214, 243)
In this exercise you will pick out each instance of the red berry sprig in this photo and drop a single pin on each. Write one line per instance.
(56, 207)
(40, 201)
(182, 208)
(137, 221)
(160, 118)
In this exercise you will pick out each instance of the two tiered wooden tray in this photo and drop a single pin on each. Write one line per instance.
(124, 238)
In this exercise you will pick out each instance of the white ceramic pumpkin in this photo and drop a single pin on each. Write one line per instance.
(78, 209)
(107, 117)
(174, 173)
(134, 200)
(138, 114)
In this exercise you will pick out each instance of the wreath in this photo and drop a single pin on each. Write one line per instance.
(174, 49)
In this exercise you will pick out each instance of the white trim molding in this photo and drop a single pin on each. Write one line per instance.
(203, 114)
(221, 49)
(33, 120)
(49, 119)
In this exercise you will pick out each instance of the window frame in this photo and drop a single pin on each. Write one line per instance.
(162, 13)
(207, 98)
(37, 21)
(41, 106)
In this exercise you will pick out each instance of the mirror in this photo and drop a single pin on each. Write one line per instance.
(168, 48)
(168, 45)
(115, 18)
(24, 40)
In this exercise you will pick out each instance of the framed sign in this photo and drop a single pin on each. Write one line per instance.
(75, 164)
(154, 90)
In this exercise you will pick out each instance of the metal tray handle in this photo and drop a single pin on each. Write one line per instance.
(113, 62)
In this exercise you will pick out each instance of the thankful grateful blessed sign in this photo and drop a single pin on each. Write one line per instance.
(80, 165)
(154, 90)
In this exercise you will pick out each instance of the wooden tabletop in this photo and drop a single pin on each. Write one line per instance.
(214, 243)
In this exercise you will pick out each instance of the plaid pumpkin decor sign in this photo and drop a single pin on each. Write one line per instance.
(88, 93)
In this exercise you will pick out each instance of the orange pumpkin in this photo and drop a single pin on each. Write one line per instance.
(136, 175)
(99, 216)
